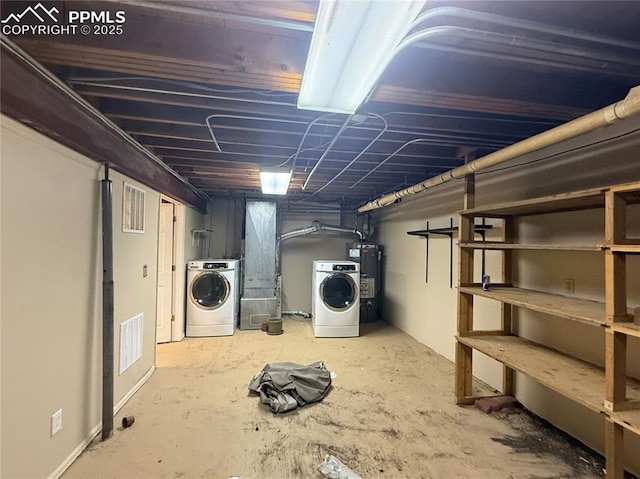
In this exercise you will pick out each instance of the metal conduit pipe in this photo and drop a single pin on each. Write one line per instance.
(608, 115)
(518, 42)
(343, 127)
(92, 82)
(414, 38)
(180, 93)
(477, 16)
(477, 140)
(411, 142)
(304, 137)
(181, 83)
(523, 59)
(259, 118)
(463, 117)
(384, 129)
(75, 97)
(472, 118)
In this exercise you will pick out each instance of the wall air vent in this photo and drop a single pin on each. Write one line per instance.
(132, 209)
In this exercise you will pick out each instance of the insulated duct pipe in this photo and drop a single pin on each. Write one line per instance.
(317, 226)
(107, 306)
(605, 116)
(307, 230)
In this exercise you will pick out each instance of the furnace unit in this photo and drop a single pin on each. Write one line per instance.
(370, 258)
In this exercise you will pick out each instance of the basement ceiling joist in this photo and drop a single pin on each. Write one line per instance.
(475, 83)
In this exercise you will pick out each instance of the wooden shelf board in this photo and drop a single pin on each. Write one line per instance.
(626, 248)
(578, 380)
(576, 200)
(591, 312)
(628, 419)
(630, 329)
(633, 187)
(531, 246)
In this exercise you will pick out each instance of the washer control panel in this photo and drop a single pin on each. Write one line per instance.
(214, 265)
(344, 267)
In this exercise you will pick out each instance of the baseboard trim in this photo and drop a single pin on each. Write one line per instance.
(98, 428)
(133, 390)
(75, 453)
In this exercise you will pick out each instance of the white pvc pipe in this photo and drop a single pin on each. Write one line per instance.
(625, 108)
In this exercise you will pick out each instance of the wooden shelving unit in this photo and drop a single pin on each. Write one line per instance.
(605, 390)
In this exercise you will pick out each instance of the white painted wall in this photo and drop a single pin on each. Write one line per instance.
(134, 293)
(52, 289)
(428, 311)
(192, 247)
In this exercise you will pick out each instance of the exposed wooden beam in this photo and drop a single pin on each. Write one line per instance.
(31, 98)
(231, 74)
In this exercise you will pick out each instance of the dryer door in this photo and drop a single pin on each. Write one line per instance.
(338, 291)
(209, 290)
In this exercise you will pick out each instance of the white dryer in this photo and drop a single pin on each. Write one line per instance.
(213, 294)
(335, 302)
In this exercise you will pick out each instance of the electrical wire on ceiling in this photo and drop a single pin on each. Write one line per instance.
(385, 126)
(91, 81)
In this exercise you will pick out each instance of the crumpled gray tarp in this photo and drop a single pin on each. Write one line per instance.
(285, 386)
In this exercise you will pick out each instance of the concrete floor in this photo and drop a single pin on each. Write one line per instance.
(390, 414)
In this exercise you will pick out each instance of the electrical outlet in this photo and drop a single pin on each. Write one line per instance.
(56, 422)
(569, 286)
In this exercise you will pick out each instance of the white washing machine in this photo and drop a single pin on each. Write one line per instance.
(213, 295)
(335, 302)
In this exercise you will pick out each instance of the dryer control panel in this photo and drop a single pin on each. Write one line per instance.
(344, 267)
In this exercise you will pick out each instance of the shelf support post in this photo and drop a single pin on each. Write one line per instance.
(614, 450)
(615, 342)
(506, 313)
(616, 300)
(464, 354)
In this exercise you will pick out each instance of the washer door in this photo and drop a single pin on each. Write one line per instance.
(209, 290)
(338, 291)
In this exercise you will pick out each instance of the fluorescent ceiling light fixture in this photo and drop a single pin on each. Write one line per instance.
(274, 181)
(353, 42)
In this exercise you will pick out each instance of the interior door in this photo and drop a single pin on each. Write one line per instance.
(165, 274)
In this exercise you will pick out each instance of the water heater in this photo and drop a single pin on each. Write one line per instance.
(370, 258)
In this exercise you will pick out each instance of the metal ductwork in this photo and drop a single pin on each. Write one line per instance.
(261, 293)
